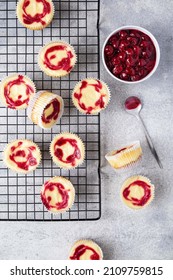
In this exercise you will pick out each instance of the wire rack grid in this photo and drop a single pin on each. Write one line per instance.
(75, 21)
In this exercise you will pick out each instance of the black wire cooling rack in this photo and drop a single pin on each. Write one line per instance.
(75, 21)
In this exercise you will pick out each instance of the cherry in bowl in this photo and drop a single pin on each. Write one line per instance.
(131, 54)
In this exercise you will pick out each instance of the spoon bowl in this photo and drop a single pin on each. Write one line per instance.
(133, 105)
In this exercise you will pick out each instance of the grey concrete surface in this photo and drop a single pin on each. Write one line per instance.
(121, 232)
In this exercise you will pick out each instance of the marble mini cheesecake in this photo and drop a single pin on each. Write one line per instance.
(57, 194)
(125, 156)
(57, 59)
(35, 14)
(45, 109)
(137, 192)
(22, 156)
(67, 150)
(16, 91)
(85, 250)
(90, 96)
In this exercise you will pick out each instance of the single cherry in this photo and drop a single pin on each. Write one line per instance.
(115, 60)
(142, 72)
(144, 44)
(124, 76)
(134, 33)
(142, 62)
(133, 40)
(150, 65)
(109, 50)
(123, 34)
(137, 50)
(123, 45)
(135, 78)
(131, 61)
(130, 71)
(129, 51)
(122, 56)
(117, 69)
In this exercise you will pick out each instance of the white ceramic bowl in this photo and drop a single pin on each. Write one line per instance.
(154, 42)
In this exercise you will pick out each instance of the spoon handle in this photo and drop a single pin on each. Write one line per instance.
(150, 143)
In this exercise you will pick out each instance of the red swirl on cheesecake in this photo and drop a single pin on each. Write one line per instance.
(35, 14)
(85, 250)
(50, 187)
(16, 91)
(90, 96)
(38, 17)
(47, 118)
(60, 154)
(137, 192)
(57, 194)
(67, 150)
(63, 63)
(81, 250)
(25, 153)
(22, 156)
(138, 201)
(57, 59)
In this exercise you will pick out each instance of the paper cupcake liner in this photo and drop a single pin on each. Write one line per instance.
(93, 113)
(125, 156)
(40, 62)
(128, 167)
(152, 192)
(15, 170)
(11, 76)
(41, 105)
(80, 241)
(53, 157)
(35, 27)
(73, 198)
(32, 103)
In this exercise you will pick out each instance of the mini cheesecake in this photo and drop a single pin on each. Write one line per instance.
(125, 156)
(45, 109)
(22, 156)
(67, 150)
(57, 194)
(57, 59)
(137, 192)
(35, 14)
(16, 91)
(90, 96)
(85, 250)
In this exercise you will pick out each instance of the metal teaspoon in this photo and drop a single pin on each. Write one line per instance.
(133, 106)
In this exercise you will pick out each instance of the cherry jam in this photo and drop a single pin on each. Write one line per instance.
(130, 55)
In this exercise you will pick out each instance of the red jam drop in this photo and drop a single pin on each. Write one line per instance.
(132, 103)
(59, 152)
(99, 103)
(13, 104)
(63, 64)
(135, 201)
(50, 187)
(55, 113)
(26, 154)
(130, 55)
(28, 19)
(81, 249)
